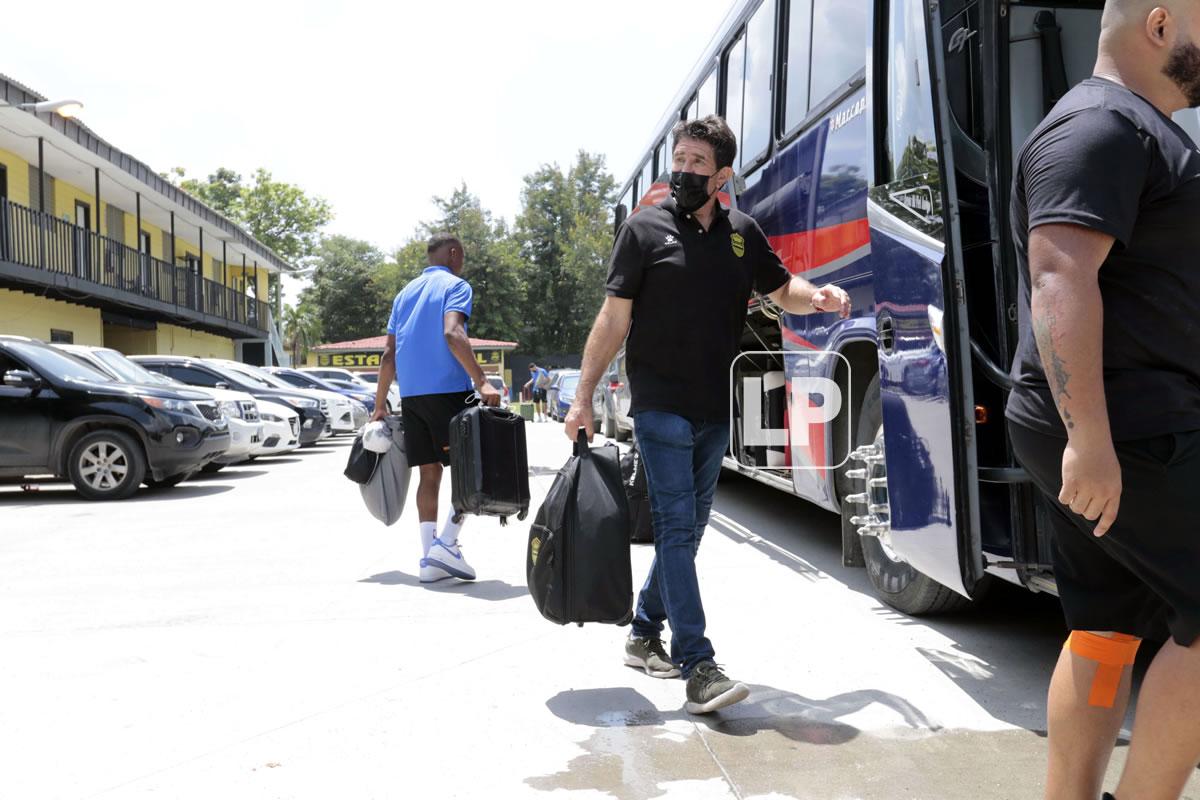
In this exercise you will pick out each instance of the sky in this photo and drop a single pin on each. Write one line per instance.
(377, 107)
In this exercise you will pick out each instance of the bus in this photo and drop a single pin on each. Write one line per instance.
(876, 148)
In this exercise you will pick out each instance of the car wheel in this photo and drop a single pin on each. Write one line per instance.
(106, 465)
(895, 581)
(622, 434)
(212, 467)
(167, 483)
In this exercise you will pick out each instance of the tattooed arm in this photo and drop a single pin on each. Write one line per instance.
(1068, 317)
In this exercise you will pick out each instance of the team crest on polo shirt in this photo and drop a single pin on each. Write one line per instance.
(739, 244)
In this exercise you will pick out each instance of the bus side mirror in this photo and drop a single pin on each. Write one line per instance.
(620, 214)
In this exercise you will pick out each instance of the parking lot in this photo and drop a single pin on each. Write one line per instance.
(255, 633)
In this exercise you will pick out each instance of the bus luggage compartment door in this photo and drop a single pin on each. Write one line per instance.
(930, 518)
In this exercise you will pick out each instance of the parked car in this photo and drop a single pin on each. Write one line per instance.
(556, 376)
(60, 416)
(281, 429)
(239, 408)
(354, 390)
(198, 372)
(393, 395)
(615, 422)
(565, 395)
(498, 384)
(342, 410)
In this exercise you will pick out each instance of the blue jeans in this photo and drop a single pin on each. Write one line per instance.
(683, 461)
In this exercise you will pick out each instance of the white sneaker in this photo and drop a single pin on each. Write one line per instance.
(445, 562)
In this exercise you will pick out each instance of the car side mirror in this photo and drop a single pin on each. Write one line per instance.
(22, 379)
(222, 385)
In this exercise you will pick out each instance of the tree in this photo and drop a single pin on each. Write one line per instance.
(565, 235)
(492, 267)
(301, 330)
(280, 215)
(346, 294)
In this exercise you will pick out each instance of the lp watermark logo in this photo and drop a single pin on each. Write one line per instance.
(784, 403)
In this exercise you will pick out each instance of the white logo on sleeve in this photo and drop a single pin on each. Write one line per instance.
(670, 240)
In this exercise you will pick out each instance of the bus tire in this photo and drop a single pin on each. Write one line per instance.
(895, 582)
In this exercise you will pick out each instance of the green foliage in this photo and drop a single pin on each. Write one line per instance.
(346, 294)
(301, 330)
(565, 237)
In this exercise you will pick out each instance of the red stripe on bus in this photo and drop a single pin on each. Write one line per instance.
(796, 338)
(808, 250)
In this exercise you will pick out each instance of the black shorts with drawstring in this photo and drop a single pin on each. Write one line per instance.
(539, 395)
(427, 425)
(1141, 578)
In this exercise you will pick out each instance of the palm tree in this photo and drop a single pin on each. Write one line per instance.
(302, 329)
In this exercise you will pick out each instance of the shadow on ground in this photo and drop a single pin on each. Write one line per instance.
(636, 749)
(65, 494)
(229, 473)
(1005, 646)
(492, 590)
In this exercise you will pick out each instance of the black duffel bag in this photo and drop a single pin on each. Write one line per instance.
(637, 494)
(577, 563)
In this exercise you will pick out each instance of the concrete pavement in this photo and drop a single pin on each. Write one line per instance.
(256, 634)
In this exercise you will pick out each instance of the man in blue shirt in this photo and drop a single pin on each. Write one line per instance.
(429, 354)
(539, 380)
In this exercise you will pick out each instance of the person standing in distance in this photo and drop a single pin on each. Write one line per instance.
(429, 354)
(680, 277)
(1105, 412)
(539, 379)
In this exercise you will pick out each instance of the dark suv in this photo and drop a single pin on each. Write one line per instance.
(198, 372)
(61, 416)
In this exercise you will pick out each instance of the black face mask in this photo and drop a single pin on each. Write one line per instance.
(689, 190)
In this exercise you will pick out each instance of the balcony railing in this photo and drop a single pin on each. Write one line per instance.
(33, 239)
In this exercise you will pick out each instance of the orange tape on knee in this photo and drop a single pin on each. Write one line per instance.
(1111, 655)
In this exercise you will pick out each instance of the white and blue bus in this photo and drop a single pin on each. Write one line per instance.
(876, 146)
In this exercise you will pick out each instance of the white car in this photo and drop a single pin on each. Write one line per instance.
(281, 429)
(240, 409)
(368, 379)
(338, 408)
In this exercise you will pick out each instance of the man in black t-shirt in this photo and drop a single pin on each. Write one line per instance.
(680, 278)
(1105, 413)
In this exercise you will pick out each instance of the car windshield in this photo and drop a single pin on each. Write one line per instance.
(369, 377)
(126, 370)
(237, 376)
(56, 363)
(569, 382)
(258, 377)
(497, 383)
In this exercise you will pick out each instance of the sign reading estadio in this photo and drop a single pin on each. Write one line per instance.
(349, 360)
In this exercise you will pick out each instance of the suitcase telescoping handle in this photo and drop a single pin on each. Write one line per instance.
(581, 443)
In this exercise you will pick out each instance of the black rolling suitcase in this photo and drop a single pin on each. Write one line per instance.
(633, 476)
(489, 467)
(577, 563)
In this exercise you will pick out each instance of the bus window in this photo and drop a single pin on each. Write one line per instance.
(690, 111)
(760, 51)
(795, 102)
(637, 192)
(706, 100)
(838, 36)
(735, 63)
(647, 176)
(912, 158)
(661, 159)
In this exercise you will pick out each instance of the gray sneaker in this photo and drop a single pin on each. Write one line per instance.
(649, 654)
(708, 689)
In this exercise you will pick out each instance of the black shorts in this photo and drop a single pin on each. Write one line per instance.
(427, 425)
(539, 395)
(1143, 577)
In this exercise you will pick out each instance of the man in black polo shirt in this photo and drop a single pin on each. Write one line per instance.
(680, 278)
(1105, 415)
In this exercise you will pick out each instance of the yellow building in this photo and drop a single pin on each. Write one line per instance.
(96, 248)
